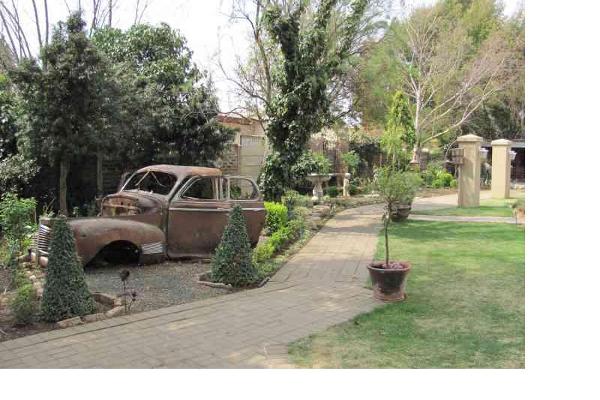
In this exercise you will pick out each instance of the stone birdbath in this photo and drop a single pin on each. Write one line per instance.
(317, 180)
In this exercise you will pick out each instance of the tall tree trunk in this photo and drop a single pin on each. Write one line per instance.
(99, 174)
(62, 195)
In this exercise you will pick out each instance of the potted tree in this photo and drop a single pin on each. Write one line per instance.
(389, 277)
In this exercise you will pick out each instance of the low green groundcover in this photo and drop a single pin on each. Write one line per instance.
(465, 306)
(487, 208)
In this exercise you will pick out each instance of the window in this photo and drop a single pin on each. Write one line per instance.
(152, 182)
(242, 189)
(200, 189)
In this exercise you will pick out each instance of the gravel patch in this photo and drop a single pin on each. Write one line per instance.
(157, 285)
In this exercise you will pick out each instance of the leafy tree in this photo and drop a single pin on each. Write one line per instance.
(15, 169)
(169, 105)
(352, 161)
(64, 101)
(254, 77)
(66, 294)
(368, 149)
(8, 117)
(232, 263)
(300, 103)
(399, 136)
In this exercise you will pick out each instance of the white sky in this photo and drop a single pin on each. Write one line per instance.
(205, 24)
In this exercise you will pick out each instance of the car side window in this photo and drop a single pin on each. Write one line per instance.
(242, 189)
(200, 189)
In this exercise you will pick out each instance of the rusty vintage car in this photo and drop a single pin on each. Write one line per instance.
(162, 211)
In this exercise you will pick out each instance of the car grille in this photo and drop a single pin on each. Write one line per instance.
(42, 240)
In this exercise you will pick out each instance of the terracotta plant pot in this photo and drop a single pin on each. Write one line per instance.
(389, 282)
(400, 212)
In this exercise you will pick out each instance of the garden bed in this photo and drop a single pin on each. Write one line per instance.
(174, 282)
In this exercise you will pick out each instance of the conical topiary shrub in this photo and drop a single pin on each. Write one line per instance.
(232, 262)
(66, 294)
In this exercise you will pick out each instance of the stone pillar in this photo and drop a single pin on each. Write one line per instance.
(470, 171)
(501, 168)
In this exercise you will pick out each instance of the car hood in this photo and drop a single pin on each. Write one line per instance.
(132, 203)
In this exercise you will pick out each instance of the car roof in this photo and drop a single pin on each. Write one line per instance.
(182, 171)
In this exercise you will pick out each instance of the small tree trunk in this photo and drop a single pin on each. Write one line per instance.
(386, 222)
(99, 174)
(62, 196)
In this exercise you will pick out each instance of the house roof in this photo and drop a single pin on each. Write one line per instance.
(229, 119)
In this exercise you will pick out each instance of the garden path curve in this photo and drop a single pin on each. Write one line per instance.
(322, 285)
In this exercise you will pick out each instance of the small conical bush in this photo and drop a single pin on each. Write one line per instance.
(232, 263)
(66, 294)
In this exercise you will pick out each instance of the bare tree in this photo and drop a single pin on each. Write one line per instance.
(14, 35)
(445, 77)
(13, 30)
(140, 9)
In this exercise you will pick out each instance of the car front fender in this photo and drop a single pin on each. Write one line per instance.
(93, 234)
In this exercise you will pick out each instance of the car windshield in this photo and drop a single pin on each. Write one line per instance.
(152, 182)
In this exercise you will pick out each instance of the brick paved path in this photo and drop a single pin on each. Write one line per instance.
(320, 286)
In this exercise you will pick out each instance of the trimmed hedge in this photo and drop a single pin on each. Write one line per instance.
(66, 294)
(232, 263)
(280, 239)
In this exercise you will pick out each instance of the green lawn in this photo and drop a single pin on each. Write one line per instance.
(465, 306)
(487, 208)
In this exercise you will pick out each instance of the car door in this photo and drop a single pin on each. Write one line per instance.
(197, 218)
(244, 191)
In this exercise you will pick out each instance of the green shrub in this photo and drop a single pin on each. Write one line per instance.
(296, 227)
(17, 220)
(277, 216)
(263, 252)
(232, 263)
(332, 191)
(280, 238)
(24, 305)
(437, 177)
(66, 294)
(304, 201)
(18, 274)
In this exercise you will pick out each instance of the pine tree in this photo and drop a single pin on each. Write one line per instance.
(232, 262)
(66, 293)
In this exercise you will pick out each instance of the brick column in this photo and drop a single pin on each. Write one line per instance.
(470, 171)
(501, 168)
